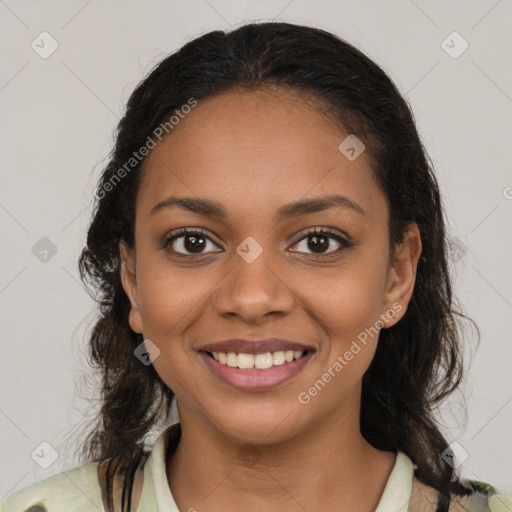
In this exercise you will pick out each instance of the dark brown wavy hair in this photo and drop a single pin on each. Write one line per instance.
(418, 361)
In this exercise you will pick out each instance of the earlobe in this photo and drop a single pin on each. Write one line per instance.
(129, 282)
(402, 275)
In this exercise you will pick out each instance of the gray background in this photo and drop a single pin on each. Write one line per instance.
(58, 116)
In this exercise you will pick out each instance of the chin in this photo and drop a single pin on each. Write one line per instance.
(268, 425)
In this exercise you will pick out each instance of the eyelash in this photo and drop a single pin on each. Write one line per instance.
(344, 244)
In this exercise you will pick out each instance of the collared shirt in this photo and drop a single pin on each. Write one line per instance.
(78, 490)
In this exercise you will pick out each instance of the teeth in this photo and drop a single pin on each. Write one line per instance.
(278, 358)
(263, 361)
(232, 360)
(245, 361)
(260, 361)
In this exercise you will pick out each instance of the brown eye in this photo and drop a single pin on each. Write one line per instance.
(188, 243)
(319, 242)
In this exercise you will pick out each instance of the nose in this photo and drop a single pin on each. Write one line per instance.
(254, 290)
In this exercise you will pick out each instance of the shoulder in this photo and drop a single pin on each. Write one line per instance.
(483, 499)
(500, 503)
(481, 502)
(75, 490)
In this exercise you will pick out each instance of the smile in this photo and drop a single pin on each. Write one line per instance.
(256, 372)
(261, 361)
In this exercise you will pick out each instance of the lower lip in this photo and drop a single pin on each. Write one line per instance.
(254, 379)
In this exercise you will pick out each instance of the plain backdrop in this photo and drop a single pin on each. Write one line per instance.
(58, 114)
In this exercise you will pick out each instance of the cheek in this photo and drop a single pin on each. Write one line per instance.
(352, 329)
(349, 299)
(169, 301)
(348, 305)
(169, 297)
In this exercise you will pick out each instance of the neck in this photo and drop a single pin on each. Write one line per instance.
(327, 467)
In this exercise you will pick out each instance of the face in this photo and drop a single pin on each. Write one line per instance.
(296, 249)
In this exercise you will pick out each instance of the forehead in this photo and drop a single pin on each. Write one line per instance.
(261, 117)
(255, 146)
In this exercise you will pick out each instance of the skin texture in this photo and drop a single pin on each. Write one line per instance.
(254, 152)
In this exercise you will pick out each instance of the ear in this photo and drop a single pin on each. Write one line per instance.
(402, 276)
(129, 282)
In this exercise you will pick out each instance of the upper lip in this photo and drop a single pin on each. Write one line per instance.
(254, 346)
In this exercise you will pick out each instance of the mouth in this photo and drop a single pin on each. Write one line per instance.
(256, 372)
(261, 361)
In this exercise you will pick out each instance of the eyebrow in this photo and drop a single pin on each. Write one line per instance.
(210, 208)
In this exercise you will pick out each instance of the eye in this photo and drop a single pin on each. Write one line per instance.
(188, 242)
(321, 240)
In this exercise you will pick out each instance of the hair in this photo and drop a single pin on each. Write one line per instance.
(418, 361)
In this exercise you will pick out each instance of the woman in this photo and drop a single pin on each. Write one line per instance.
(268, 247)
